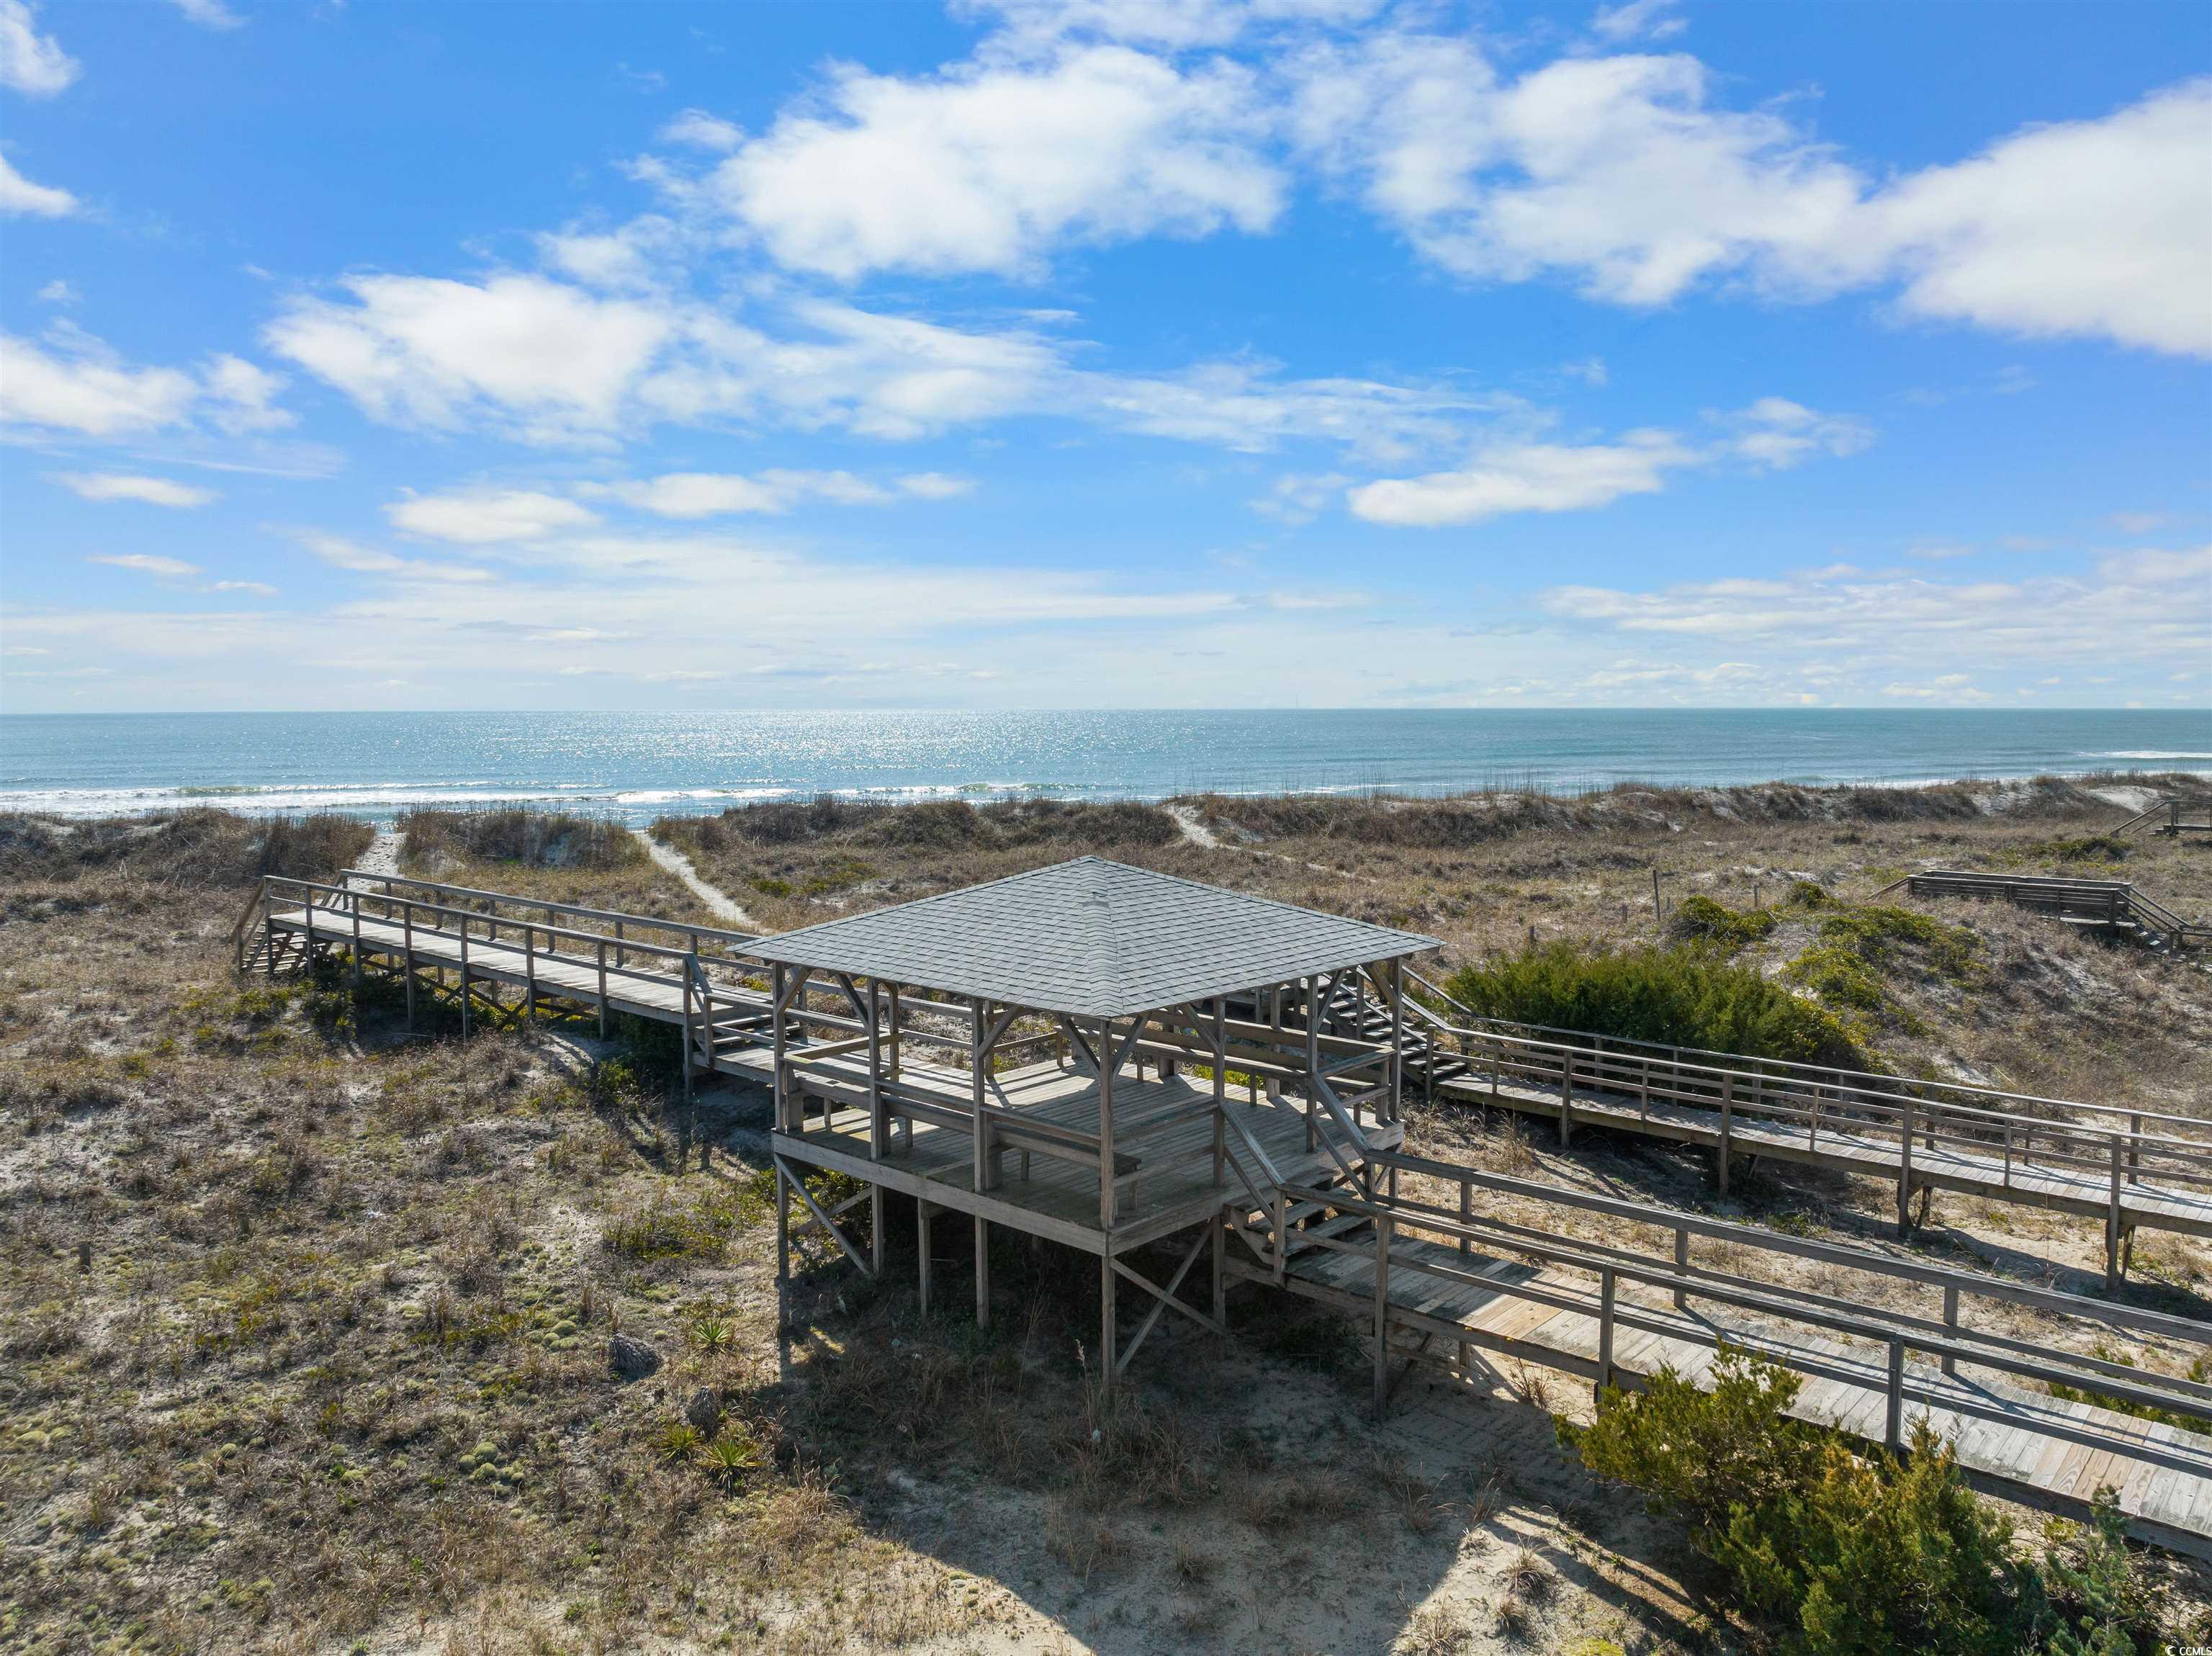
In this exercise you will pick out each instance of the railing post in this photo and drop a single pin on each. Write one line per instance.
(1893, 1433)
(601, 943)
(1728, 1110)
(464, 980)
(1951, 1326)
(2112, 1224)
(1681, 1267)
(407, 935)
(1905, 1170)
(1566, 1097)
(1382, 1314)
(2135, 1147)
(1605, 1278)
(530, 970)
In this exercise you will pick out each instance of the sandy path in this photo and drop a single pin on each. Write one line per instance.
(680, 865)
(1195, 832)
(1193, 829)
(382, 856)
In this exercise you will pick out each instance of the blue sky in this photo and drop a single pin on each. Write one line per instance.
(1075, 352)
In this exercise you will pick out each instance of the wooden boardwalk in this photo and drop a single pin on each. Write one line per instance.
(1288, 1183)
(1851, 1147)
(2033, 1447)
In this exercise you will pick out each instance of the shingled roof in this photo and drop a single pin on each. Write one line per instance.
(1091, 939)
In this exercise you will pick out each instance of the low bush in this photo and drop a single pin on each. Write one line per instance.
(1849, 1556)
(539, 839)
(202, 846)
(1677, 997)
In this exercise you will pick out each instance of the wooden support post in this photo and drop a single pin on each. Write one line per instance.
(407, 930)
(1605, 1300)
(2112, 1225)
(876, 1238)
(1905, 1171)
(355, 901)
(1728, 1109)
(1397, 1042)
(1382, 1228)
(2135, 1147)
(1951, 1326)
(1109, 1061)
(1220, 1268)
(1892, 1432)
(979, 1125)
(782, 1225)
(982, 1271)
(464, 980)
(530, 996)
(879, 1121)
(776, 1047)
(1313, 1061)
(922, 1216)
(603, 988)
(1107, 1354)
(268, 932)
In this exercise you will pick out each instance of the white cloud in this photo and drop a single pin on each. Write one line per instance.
(421, 350)
(342, 553)
(1944, 686)
(87, 390)
(701, 130)
(210, 14)
(1772, 433)
(1526, 477)
(988, 166)
(2100, 227)
(481, 517)
(2136, 523)
(258, 588)
(1638, 19)
(20, 197)
(709, 495)
(1621, 173)
(58, 291)
(31, 61)
(75, 383)
(2143, 607)
(119, 486)
(147, 564)
(548, 362)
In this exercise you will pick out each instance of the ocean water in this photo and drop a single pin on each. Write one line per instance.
(639, 765)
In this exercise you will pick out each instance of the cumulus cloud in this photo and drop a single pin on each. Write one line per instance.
(701, 130)
(1624, 174)
(77, 383)
(85, 388)
(210, 15)
(2147, 607)
(105, 486)
(711, 494)
(147, 564)
(19, 196)
(482, 516)
(1499, 479)
(990, 165)
(30, 61)
(547, 362)
(342, 553)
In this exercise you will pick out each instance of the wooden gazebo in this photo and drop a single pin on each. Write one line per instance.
(986, 1052)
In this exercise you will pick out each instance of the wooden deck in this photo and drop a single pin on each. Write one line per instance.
(2041, 1450)
(1168, 1186)
(1833, 1144)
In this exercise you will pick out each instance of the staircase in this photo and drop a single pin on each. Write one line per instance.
(1350, 1011)
(2113, 906)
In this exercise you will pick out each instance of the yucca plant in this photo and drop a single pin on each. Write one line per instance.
(711, 1334)
(679, 1441)
(729, 1457)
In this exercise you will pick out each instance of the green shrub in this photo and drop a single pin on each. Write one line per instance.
(1677, 997)
(1859, 946)
(1850, 1556)
(1700, 920)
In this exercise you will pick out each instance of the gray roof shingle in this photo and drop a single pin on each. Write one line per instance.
(1091, 939)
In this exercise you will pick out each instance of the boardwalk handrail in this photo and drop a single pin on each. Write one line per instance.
(1952, 1344)
(1876, 1082)
(2056, 1301)
(684, 927)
